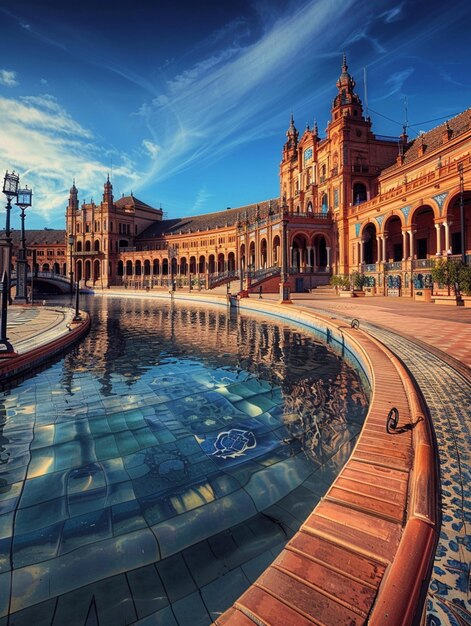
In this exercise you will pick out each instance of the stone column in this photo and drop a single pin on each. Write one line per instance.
(411, 243)
(447, 235)
(378, 249)
(362, 251)
(385, 236)
(404, 245)
(328, 258)
(439, 240)
(309, 249)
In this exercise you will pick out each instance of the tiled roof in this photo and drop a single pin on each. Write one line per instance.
(134, 202)
(45, 237)
(209, 221)
(434, 138)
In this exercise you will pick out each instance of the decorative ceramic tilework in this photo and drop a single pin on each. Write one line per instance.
(440, 199)
(405, 210)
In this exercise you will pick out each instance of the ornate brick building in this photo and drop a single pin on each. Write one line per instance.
(351, 201)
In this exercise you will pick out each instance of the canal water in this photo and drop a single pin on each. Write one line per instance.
(151, 474)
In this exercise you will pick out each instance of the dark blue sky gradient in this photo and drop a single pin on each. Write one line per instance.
(187, 104)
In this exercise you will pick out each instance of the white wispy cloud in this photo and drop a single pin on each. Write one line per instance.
(200, 203)
(393, 14)
(229, 97)
(8, 78)
(364, 35)
(395, 83)
(152, 148)
(42, 142)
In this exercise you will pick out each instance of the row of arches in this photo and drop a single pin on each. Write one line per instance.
(305, 254)
(426, 235)
(178, 266)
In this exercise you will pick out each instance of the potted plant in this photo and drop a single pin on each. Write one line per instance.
(358, 281)
(341, 282)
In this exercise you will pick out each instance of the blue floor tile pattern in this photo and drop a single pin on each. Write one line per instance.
(149, 477)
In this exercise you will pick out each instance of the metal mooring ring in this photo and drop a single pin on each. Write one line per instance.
(392, 419)
(355, 323)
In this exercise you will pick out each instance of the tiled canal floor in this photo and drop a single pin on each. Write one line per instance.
(134, 482)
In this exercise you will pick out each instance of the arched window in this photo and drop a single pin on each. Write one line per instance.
(324, 203)
(359, 193)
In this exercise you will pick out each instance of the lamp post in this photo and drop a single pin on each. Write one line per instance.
(10, 189)
(24, 199)
(172, 254)
(71, 242)
(284, 285)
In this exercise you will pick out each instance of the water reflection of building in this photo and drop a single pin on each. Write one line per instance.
(273, 352)
(316, 411)
(352, 200)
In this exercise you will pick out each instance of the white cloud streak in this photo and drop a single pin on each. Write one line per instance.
(228, 98)
(200, 204)
(48, 148)
(8, 78)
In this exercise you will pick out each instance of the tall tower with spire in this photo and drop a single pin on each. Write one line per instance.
(108, 193)
(73, 197)
(346, 102)
(289, 163)
(292, 135)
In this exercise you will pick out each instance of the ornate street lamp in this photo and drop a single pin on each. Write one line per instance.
(24, 200)
(10, 189)
(71, 242)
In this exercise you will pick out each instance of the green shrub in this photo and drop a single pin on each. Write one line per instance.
(341, 281)
(358, 280)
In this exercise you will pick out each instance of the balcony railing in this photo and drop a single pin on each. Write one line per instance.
(294, 269)
(423, 263)
(370, 267)
(395, 265)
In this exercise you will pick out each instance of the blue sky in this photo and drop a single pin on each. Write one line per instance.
(187, 105)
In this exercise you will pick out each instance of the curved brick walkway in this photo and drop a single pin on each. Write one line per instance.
(447, 393)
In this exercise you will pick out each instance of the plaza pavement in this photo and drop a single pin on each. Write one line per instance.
(434, 342)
